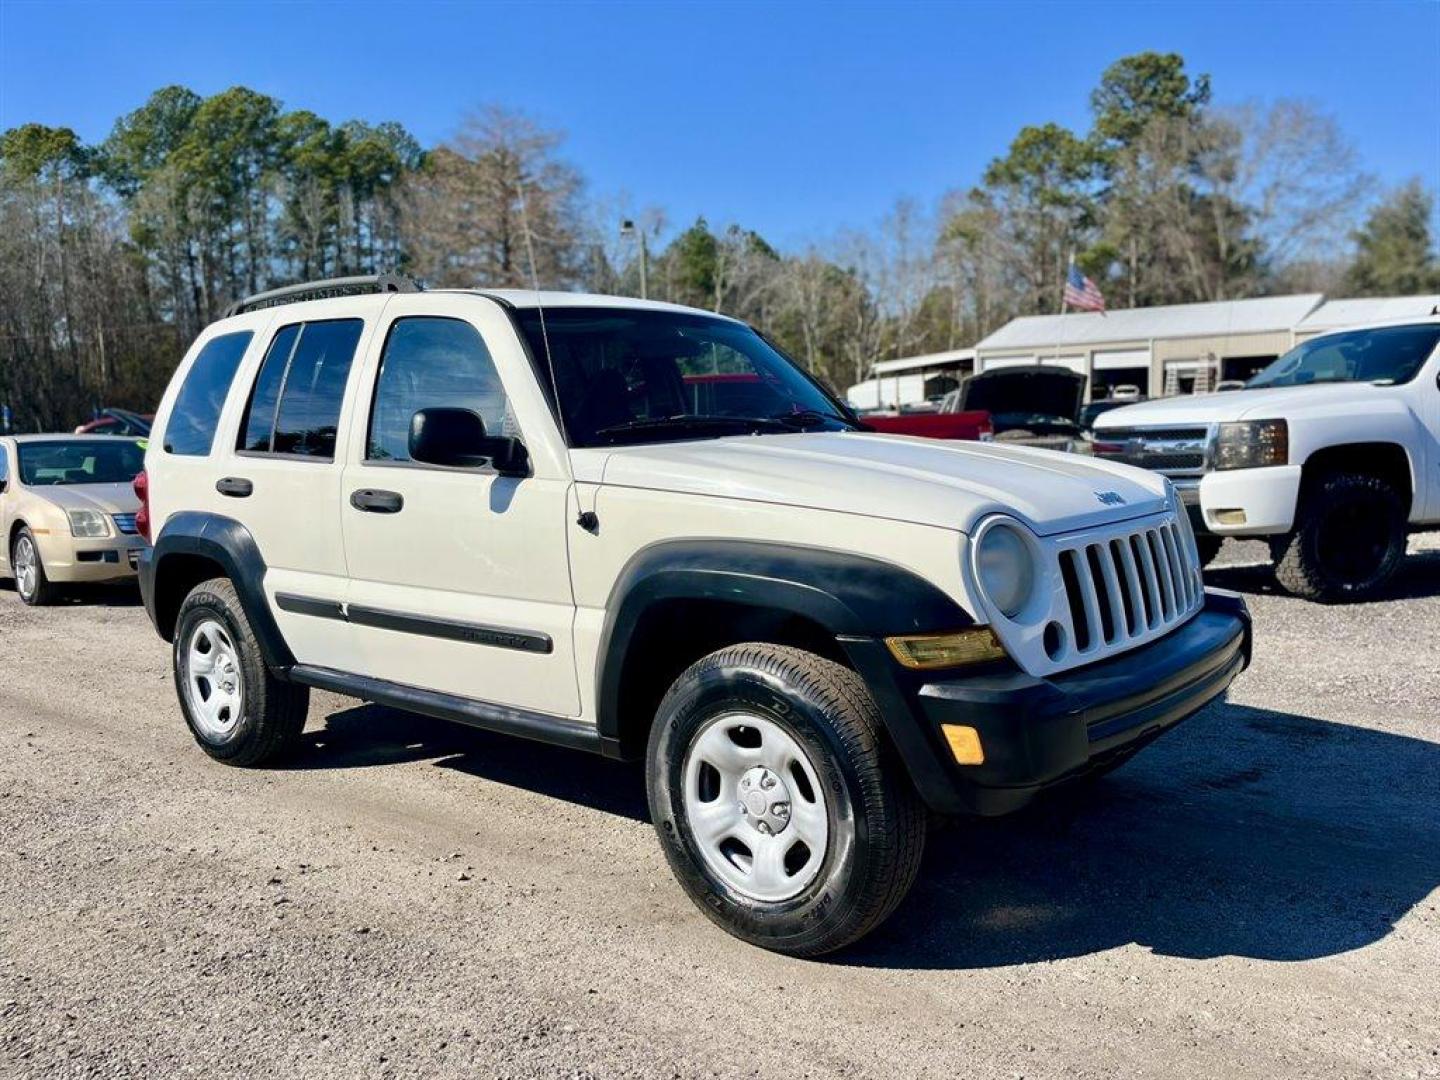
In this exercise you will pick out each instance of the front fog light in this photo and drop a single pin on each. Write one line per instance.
(1006, 568)
(88, 523)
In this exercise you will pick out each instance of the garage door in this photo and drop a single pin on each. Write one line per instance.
(1109, 359)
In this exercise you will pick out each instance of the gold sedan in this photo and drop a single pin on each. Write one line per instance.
(67, 511)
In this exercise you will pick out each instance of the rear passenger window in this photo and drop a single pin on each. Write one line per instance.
(295, 404)
(191, 428)
(432, 362)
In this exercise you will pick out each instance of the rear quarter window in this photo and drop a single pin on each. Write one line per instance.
(190, 430)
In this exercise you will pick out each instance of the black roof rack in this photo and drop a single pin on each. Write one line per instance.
(324, 290)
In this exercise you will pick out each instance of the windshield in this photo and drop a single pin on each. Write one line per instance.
(629, 375)
(80, 461)
(1390, 354)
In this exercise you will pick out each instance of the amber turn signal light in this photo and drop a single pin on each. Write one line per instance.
(964, 743)
(922, 652)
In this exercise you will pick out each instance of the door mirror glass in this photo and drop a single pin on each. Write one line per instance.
(457, 439)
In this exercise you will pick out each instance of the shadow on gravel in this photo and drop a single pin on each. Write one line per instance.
(1244, 832)
(125, 594)
(370, 735)
(1417, 579)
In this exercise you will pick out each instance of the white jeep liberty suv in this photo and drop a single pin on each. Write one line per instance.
(638, 529)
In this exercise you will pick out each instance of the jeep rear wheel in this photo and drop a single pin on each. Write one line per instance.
(238, 712)
(781, 808)
(1348, 542)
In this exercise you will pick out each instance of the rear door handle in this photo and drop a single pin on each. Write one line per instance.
(374, 501)
(237, 487)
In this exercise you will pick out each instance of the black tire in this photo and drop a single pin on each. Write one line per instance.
(272, 712)
(44, 591)
(1348, 542)
(876, 820)
(1209, 545)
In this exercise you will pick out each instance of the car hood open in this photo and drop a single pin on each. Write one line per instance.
(1035, 389)
(926, 481)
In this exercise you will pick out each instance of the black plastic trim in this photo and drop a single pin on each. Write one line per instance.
(843, 593)
(505, 719)
(449, 629)
(1037, 732)
(228, 544)
(307, 605)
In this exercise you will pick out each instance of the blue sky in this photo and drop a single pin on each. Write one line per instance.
(798, 119)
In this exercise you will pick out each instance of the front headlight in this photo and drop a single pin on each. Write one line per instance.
(1006, 568)
(88, 523)
(1252, 444)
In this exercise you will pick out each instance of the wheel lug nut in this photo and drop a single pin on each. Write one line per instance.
(768, 781)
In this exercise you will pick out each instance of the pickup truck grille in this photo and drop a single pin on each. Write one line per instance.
(1128, 586)
(125, 523)
(1171, 451)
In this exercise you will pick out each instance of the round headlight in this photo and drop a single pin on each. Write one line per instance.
(1006, 569)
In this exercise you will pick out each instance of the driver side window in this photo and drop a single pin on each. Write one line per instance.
(430, 362)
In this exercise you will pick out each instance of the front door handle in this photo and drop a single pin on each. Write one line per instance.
(374, 501)
(237, 487)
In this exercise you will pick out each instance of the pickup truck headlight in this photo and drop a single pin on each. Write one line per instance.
(1252, 444)
(1006, 568)
(88, 523)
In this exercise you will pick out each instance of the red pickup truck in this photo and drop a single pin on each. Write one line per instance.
(972, 424)
(744, 394)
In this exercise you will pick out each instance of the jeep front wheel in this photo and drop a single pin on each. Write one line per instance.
(238, 712)
(1348, 541)
(781, 808)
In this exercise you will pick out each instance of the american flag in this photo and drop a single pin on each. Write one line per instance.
(1082, 293)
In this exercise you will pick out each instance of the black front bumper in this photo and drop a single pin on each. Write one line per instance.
(1037, 732)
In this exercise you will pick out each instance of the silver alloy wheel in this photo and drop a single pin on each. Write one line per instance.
(755, 806)
(27, 567)
(214, 683)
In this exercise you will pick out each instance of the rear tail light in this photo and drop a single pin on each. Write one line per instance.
(141, 484)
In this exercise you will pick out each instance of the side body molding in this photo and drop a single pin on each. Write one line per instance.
(849, 596)
(227, 543)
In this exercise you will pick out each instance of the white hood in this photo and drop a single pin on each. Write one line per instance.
(1262, 404)
(926, 481)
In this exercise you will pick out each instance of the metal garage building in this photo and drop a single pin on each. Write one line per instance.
(1337, 314)
(1178, 349)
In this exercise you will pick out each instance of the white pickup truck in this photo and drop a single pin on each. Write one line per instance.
(1332, 453)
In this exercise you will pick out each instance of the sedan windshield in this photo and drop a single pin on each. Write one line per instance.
(1390, 354)
(80, 461)
(632, 375)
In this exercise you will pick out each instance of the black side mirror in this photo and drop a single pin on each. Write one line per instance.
(457, 439)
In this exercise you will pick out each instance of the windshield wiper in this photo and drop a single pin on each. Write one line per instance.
(691, 422)
(805, 418)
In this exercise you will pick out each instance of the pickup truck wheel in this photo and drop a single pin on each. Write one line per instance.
(1348, 543)
(238, 712)
(34, 587)
(1209, 546)
(780, 806)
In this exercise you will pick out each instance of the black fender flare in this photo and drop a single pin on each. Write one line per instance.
(856, 598)
(228, 544)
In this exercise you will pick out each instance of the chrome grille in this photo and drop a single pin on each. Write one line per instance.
(1172, 451)
(125, 523)
(1127, 587)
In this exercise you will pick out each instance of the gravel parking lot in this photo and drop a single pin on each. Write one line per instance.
(1256, 894)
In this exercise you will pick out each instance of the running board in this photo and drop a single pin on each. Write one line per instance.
(557, 730)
